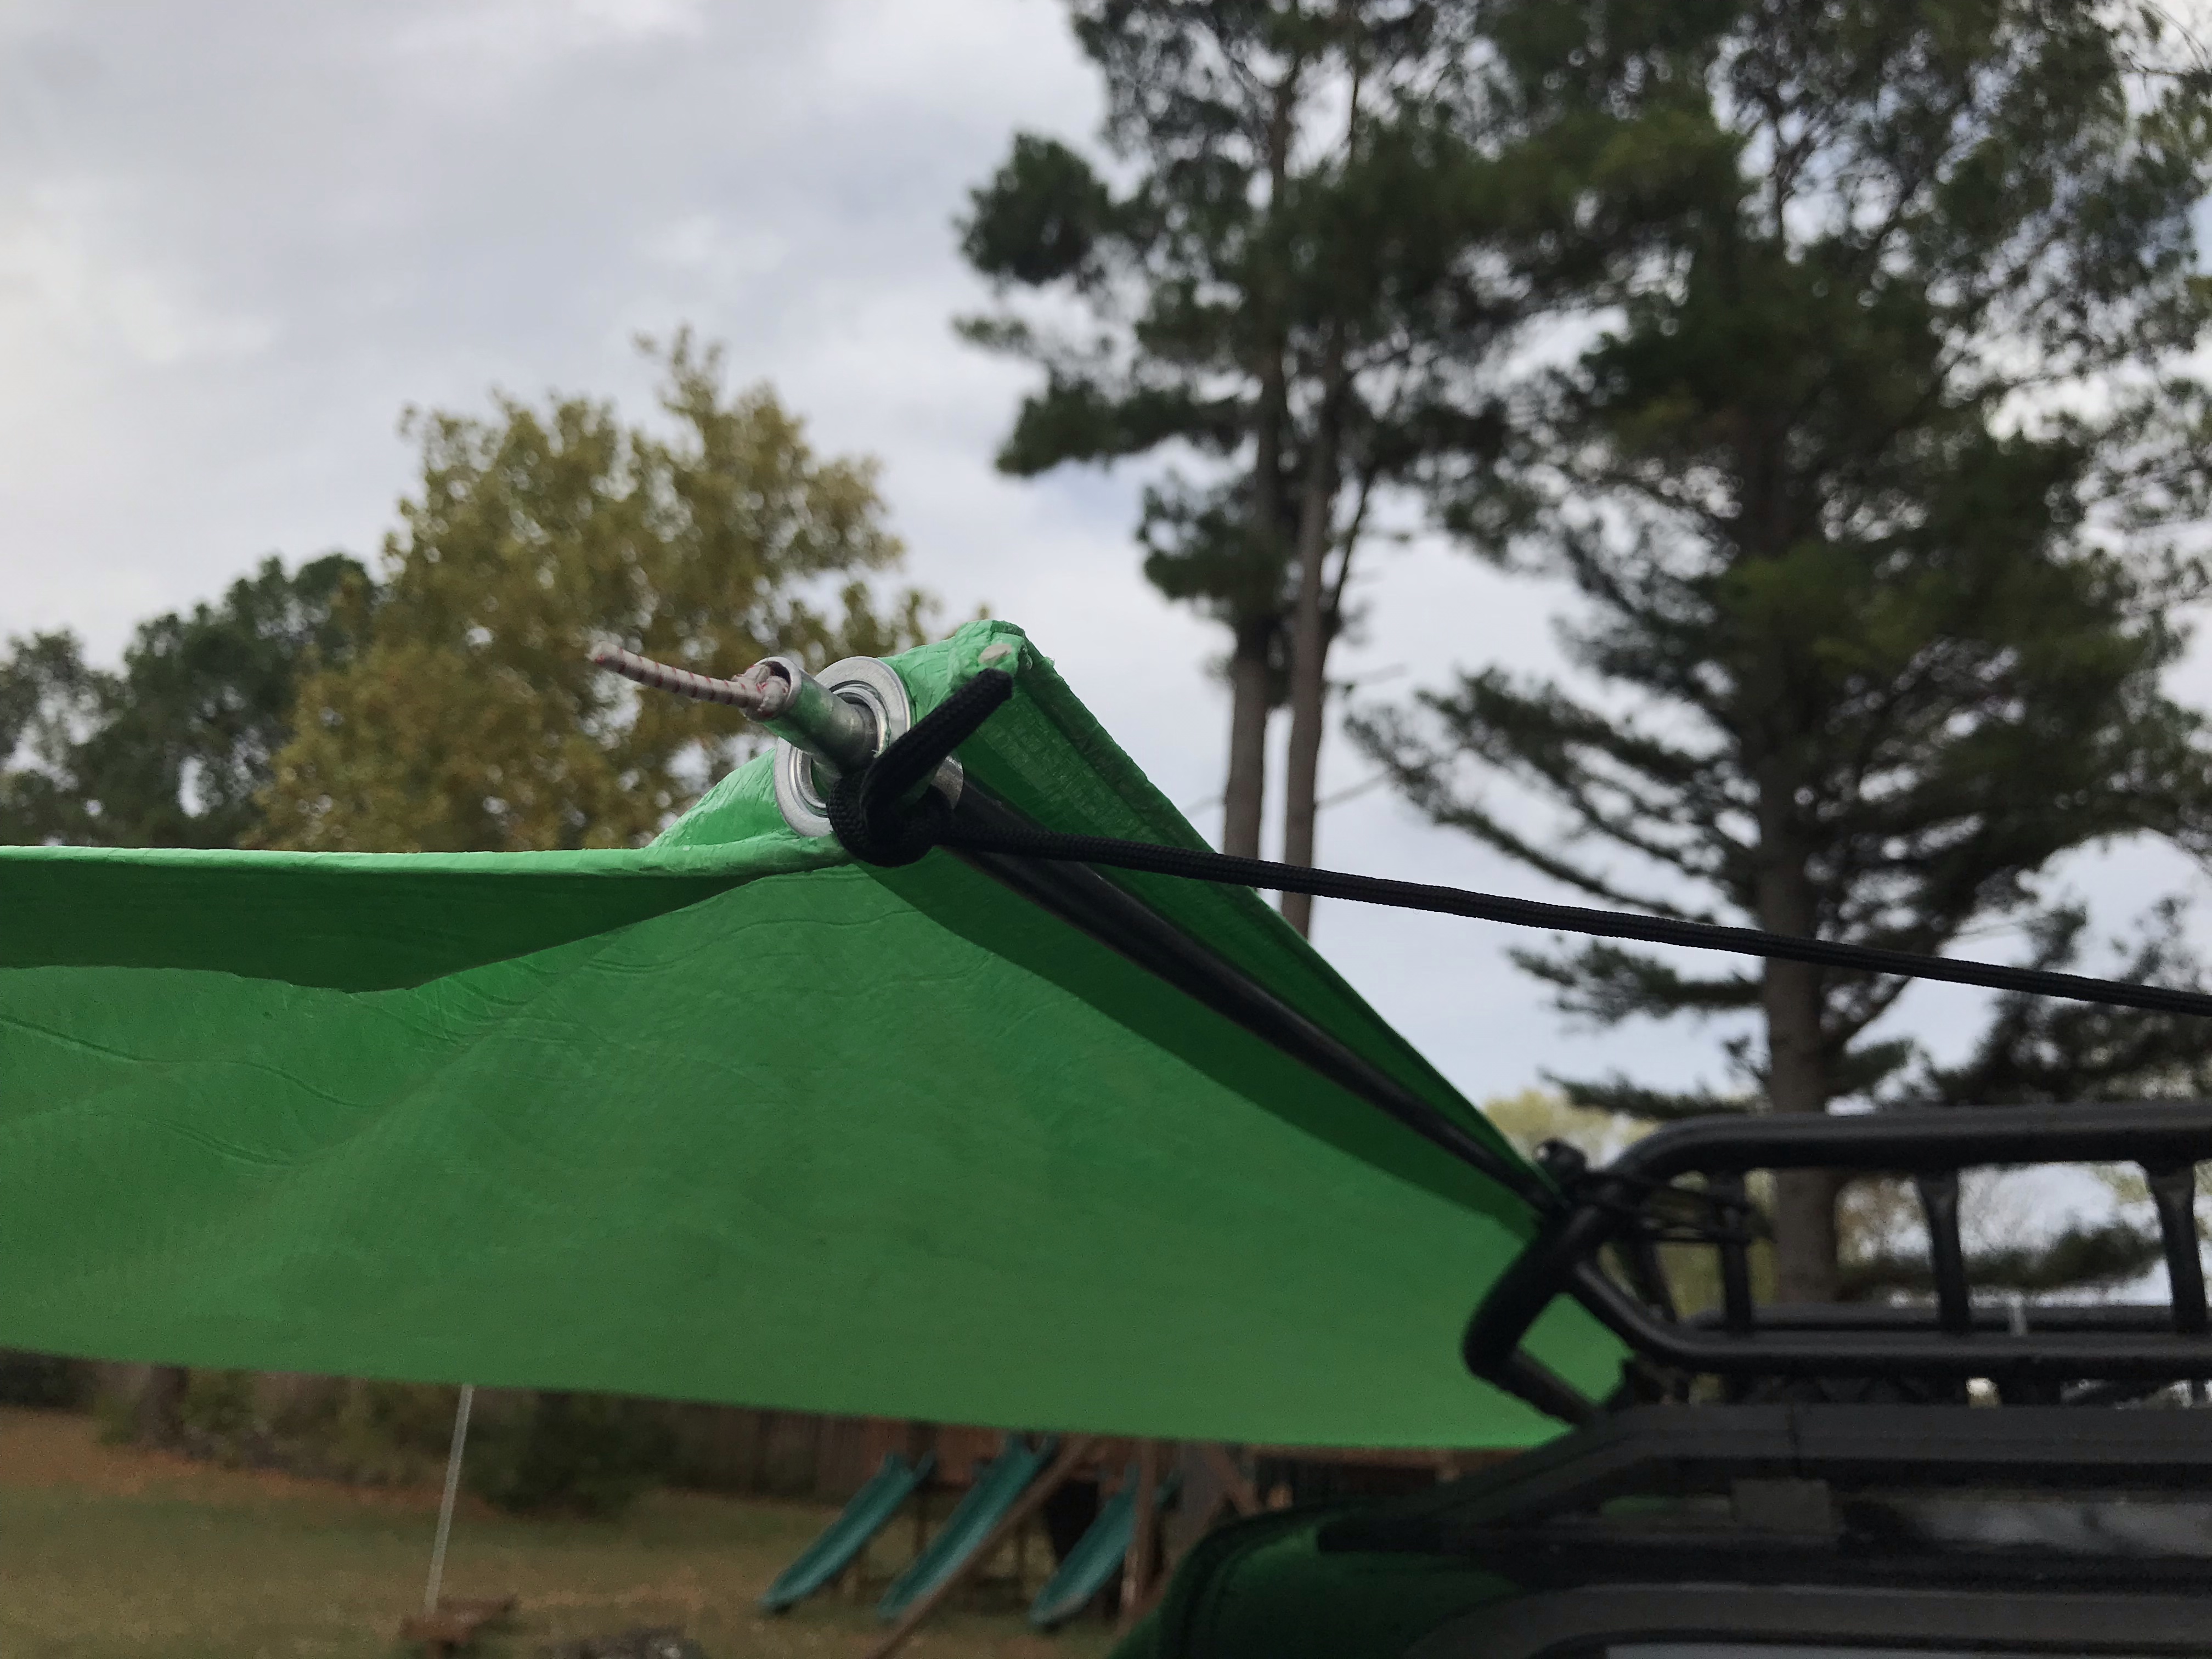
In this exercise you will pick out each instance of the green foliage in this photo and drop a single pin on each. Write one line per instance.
(40, 1380)
(362, 1432)
(1869, 494)
(216, 1419)
(470, 718)
(366, 1433)
(50, 700)
(2036, 1049)
(207, 702)
(1041, 218)
(578, 1454)
(173, 750)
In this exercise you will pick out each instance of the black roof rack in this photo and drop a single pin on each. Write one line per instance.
(1673, 1451)
(2086, 1530)
(1634, 1204)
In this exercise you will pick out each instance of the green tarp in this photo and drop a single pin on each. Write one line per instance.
(731, 1118)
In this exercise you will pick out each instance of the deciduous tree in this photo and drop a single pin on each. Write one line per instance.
(470, 718)
(1867, 496)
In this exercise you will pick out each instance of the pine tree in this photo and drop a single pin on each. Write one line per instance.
(1867, 496)
(1277, 276)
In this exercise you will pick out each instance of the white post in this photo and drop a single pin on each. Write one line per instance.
(446, 1503)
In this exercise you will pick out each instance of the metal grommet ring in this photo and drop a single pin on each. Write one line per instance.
(875, 686)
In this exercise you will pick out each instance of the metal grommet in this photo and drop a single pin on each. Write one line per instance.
(875, 686)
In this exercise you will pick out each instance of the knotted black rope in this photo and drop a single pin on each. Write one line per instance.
(884, 815)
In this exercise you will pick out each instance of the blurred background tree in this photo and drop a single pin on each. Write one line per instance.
(1867, 493)
(468, 717)
(173, 749)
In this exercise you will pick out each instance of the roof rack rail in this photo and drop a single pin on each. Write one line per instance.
(2053, 1450)
(1634, 1204)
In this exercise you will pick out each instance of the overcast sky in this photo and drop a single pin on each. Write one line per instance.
(235, 241)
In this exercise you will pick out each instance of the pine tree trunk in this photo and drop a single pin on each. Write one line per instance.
(1251, 662)
(1309, 632)
(1249, 700)
(1310, 652)
(1805, 1238)
(1797, 1081)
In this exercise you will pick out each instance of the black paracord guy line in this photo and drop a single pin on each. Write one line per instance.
(883, 814)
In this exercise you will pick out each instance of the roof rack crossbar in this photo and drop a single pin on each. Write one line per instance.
(1954, 1340)
(1667, 1450)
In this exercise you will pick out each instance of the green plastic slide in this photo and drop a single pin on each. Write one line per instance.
(1097, 1556)
(868, 1514)
(999, 1486)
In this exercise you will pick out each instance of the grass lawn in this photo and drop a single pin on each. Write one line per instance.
(112, 1553)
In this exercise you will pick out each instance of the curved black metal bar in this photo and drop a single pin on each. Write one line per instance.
(1951, 1341)
(1923, 1350)
(1938, 1138)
